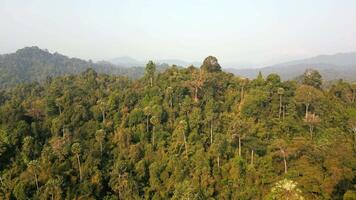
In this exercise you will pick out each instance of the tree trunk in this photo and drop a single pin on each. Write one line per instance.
(239, 145)
(147, 120)
(219, 162)
(80, 170)
(285, 165)
(60, 110)
(185, 145)
(36, 181)
(252, 156)
(101, 149)
(284, 160)
(103, 113)
(196, 95)
(153, 135)
(151, 81)
(311, 129)
(211, 132)
(306, 110)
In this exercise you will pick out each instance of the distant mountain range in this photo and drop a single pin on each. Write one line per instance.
(126, 61)
(131, 62)
(34, 64)
(331, 67)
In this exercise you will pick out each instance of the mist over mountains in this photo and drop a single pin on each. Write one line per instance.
(331, 67)
(34, 64)
(127, 61)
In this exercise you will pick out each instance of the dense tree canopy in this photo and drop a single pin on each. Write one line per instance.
(189, 135)
(210, 64)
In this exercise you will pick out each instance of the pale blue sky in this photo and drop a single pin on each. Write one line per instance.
(258, 32)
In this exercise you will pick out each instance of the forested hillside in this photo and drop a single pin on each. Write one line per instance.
(32, 64)
(181, 134)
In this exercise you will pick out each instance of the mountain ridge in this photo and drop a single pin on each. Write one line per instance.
(331, 67)
(31, 64)
(127, 61)
(35, 64)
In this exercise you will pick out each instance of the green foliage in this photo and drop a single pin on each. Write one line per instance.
(210, 64)
(94, 136)
(312, 77)
(285, 189)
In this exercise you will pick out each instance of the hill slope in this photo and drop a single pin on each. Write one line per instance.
(34, 64)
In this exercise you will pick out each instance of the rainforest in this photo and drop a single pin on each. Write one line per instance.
(180, 133)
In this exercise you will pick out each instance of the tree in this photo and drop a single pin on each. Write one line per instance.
(353, 87)
(210, 64)
(102, 104)
(307, 95)
(243, 84)
(312, 78)
(33, 167)
(100, 137)
(148, 112)
(311, 119)
(210, 116)
(27, 148)
(198, 80)
(239, 129)
(76, 149)
(184, 191)
(259, 81)
(182, 127)
(53, 189)
(150, 71)
(273, 79)
(279, 148)
(285, 189)
(169, 93)
(280, 92)
(154, 121)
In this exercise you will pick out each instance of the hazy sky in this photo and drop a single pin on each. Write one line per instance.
(255, 32)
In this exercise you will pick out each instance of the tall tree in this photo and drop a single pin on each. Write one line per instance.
(100, 137)
(279, 148)
(198, 80)
(312, 119)
(76, 150)
(148, 112)
(280, 92)
(307, 95)
(313, 78)
(211, 108)
(155, 122)
(211, 64)
(150, 71)
(33, 166)
(182, 127)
